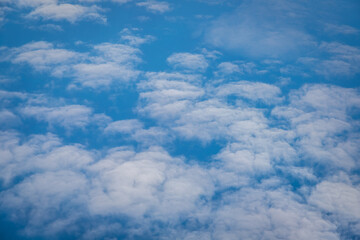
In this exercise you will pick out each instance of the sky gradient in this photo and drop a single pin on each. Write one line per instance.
(192, 119)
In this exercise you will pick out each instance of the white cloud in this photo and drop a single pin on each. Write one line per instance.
(238, 67)
(102, 74)
(269, 215)
(228, 68)
(62, 178)
(167, 99)
(69, 116)
(49, 27)
(5, 95)
(69, 12)
(173, 76)
(104, 65)
(124, 126)
(255, 91)
(134, 129)
(119, 53)
(195, 112)
(135, 184)
(38, 153)
(155, 6)
(261, 29)
(188, 61)
(341, 60)
(320, 116)
(136, 40)
(337, 198)
(42, 55)
(3, 12)
(245, 161)
(8, 118)
(38, 192)
(345, 60)
(341, 29)
(35, 3)
(113, 63)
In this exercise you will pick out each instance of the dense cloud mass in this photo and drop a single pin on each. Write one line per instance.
(126, 119)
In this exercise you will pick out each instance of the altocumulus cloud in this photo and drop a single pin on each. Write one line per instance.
(234, 121)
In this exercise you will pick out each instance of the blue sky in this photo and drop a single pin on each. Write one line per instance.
(193, 119)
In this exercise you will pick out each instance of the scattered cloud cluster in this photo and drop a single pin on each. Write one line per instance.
(58, 10)
(259, 141)
(105, 64)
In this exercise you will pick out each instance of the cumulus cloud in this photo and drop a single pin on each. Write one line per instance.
(133, 39)
(188, 61)
(229, 68)
(147, 187)
(59, 11)
(207, 148)
(42, 55)
(255, 91)
(54, 112)
(245, 190)
(66, 116)
(225, 69)
(196, 112)
(124, 126)
(319, 119)
(271, 215)
(69, 12)
(338, 198)
(105, 64)
(122, 183)
(135, 130)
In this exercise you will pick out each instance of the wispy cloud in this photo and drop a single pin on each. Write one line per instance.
(155, 6)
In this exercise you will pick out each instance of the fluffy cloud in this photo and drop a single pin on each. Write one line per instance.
(121, 183)
(188, 61)
(213, 146)
(338, 198)
(133, 39)
(59, 11)
(54, 112)
(42, 55)
(321, 118)
(66, 116)
(246, 190)
(69, 12)
(135, 130)
(253, 91)
(105, 64)
(271, 215)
